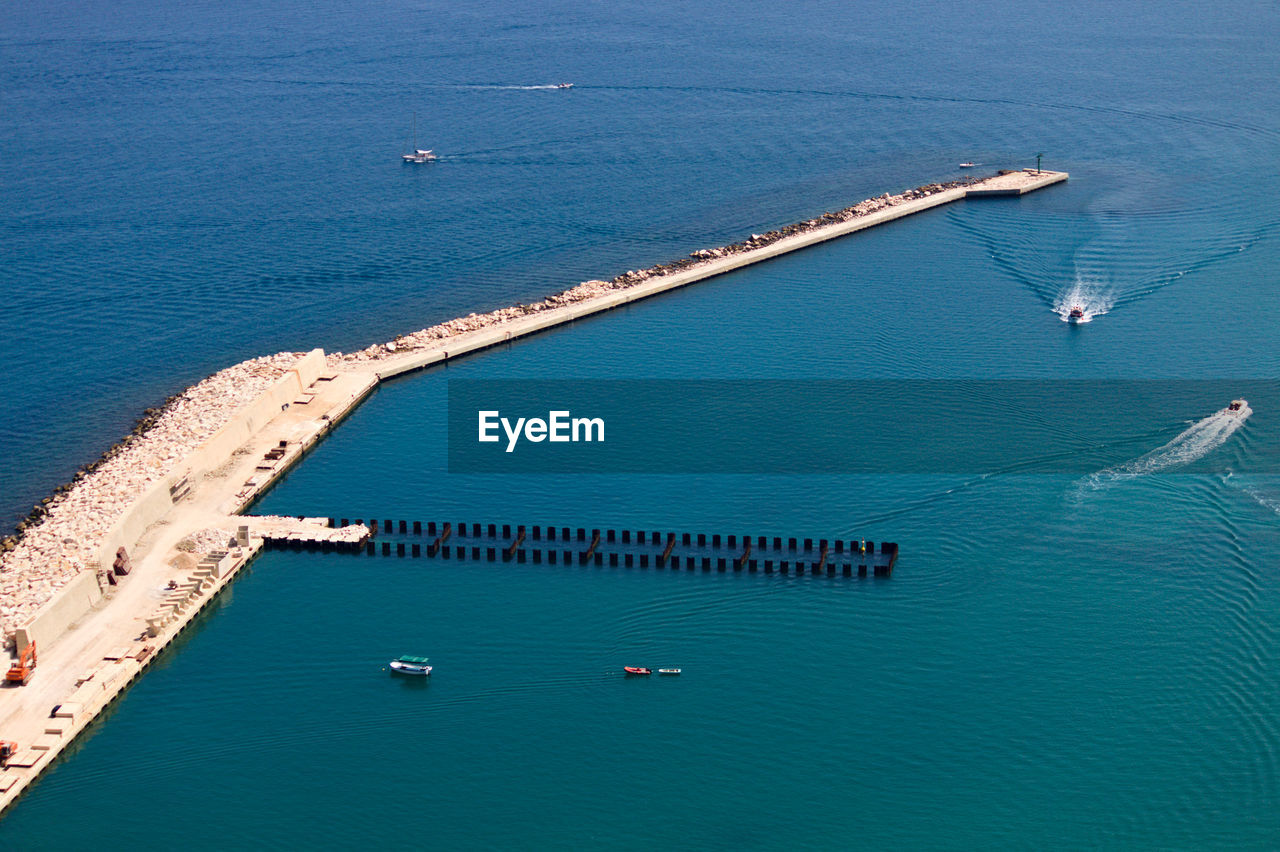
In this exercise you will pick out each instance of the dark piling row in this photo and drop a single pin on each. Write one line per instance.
(548, 545)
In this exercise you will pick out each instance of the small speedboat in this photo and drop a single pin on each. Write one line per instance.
(564, 85)
(1236, 408)
(637, 670)
(1076, 314)
(410, 666)
(967, 165)
(668, 671)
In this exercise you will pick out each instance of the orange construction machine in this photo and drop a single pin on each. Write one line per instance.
(20, 671)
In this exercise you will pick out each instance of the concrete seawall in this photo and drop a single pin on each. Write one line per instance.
(82, 630)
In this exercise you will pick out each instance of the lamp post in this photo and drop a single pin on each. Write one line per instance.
(1038, 156)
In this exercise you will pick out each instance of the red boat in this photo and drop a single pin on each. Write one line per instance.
(1077, 313)
(637, 670)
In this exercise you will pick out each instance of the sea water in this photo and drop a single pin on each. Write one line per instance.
(1065, 660)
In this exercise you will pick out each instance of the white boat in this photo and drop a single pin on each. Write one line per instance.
(419, 155)
(967, 165)
(1076, 314)
(668, 671)
(1237, 408)
(406, 664)
(564, 85)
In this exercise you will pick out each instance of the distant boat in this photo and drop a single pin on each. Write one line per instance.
(418, 155)
(564, 85)
(1236, 408)
(410, 666)
(1076, 315)
(967, 165)
(668, 671)
(637, 670)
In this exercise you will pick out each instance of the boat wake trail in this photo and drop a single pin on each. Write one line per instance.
(1195, 442)
(1254, 490)
(1093, 297)
(516, 88)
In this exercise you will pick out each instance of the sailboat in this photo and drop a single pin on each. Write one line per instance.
(419, 155)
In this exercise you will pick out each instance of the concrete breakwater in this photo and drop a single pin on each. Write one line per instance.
(64, 535)
(704, 263)
(163, 507)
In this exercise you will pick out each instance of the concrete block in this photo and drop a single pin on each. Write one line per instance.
(27, 757)
(45, 742)
(128, 667)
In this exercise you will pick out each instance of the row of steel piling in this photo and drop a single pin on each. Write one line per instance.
(537, 545)
(441, 531)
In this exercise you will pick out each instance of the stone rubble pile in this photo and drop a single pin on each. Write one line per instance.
(64, 534)
(631, 278)
(207, 540)
(280, 525)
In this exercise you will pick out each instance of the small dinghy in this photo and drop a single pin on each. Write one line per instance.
(637, 670)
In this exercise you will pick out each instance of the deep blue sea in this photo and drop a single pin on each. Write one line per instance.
(1058, 661)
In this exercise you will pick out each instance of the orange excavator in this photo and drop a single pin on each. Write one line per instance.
(20, 671)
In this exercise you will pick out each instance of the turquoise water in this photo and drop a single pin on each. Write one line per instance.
(1057, 661)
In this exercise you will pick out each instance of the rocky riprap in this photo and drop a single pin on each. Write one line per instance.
(65, 532)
